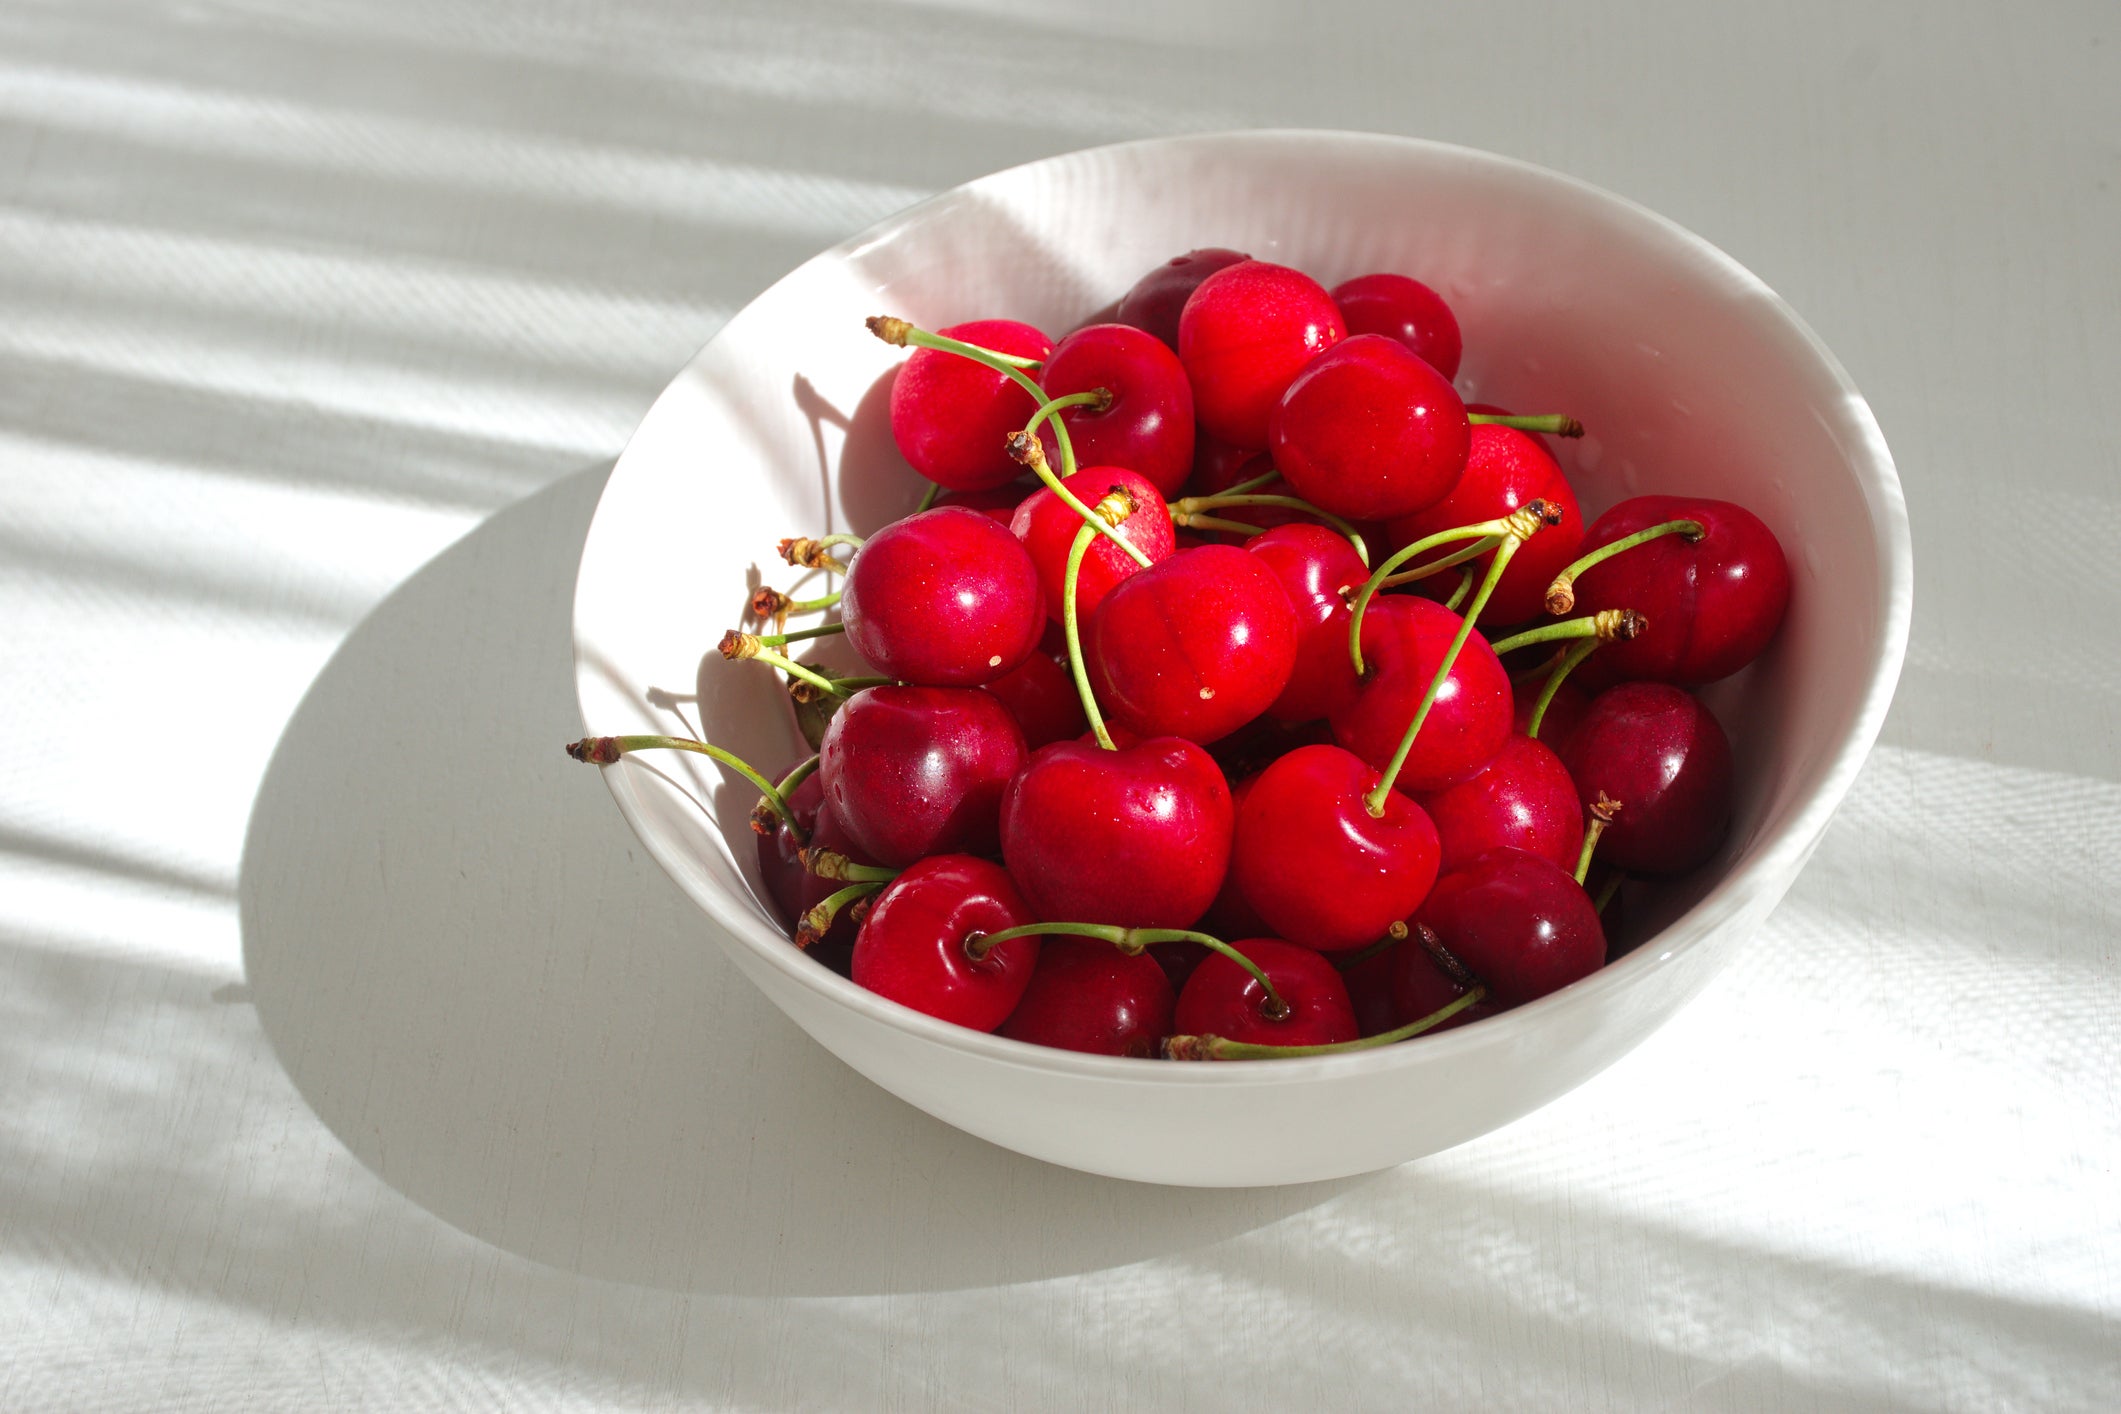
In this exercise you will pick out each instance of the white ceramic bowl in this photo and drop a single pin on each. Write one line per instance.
(1689, 372)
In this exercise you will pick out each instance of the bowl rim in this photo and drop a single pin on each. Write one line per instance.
(1772, 866)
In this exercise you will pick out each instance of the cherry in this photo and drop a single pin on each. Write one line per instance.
(780, 865)
(1217, 466)
(1655, 749)
(1087, 995)
(1138, 837)
(1230, 916)
(836, 948)
(1316, 568)
(1422, 988)
(1244, 334)
(1317, 865)
(1407, 310)
(1712, 602)
(1369, 982)
(1564, 710)
(1519, 923)
(1147, 426)
(1404, 640)
(1157, 297)
(1222, 999)
(1370, 432)
(1043, 699)
(952, 416)
(997, 502)
(914, 771)
(1523, 799)
(1194, 646)
(944, 598)
(1047, 528)
(1505, 469)
(913, 946)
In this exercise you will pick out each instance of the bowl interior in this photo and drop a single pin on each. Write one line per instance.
(1690, 375)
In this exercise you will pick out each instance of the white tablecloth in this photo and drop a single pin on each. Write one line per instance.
(353, 1056)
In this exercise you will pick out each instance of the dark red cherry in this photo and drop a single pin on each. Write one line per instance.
(995, 502)
(1505, 470)
(1194, 646)
(1369, 984)
(1148, 427)
(1404, 640)
(1523, 799)
(836, 949)
(1319, 868)
(1370, 432)
(1230, 916)
(1663, 755)
(952, 417)
(1712, 606)
(1315, 567)
(1403, 309)
(1517, 922)
(1245, 333)
(780, 869)
(1157, 297)
(1222, 999)
(1421, 988)
(945, 598)
(914, 771)
(1047, 528)
(1137, 837)
(912, 948)
(1087, 995)
(1042, 696)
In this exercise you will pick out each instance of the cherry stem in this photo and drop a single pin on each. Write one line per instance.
(1605, 894)
(1069, 625)
(1465, 587)
(1398, 934)
(935, 489)
(781, 640)
(1265, 478)
(815, 552)
(1218, 1048)
(1606, 626)
(1193, 520)
(1561, 594)
(1558, 674)
(1190, 504)
(1498, 530)
(1096, 399)
(802, 772)
(831, 864)
(603, 750)
(1028, 450)
(1131, 941)
(764, 816)
(906, 335)
(818, 921)
(737, 645)
(805, 606)
(1602, 813)
(1559, 424)
(1448, 562)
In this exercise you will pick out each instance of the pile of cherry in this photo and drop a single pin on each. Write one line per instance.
(1177, 741)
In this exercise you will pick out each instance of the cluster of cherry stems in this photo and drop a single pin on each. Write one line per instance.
(1395, 836)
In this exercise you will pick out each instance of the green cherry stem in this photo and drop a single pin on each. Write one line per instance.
(1447, 562)
(1265, 478)
(1070, 626)
(1602, 813)
(1030, 452)
(1194, 520)
(736, 645)
(906, 335)
(1217, 1048)
(1345, 962)
(1096, 399)
(1568, 663)
(1559, 424)
(1361, 603)
(1190, 504)
(1605, 894)
(818, 921)
(831, 864)
(815, 552)
(1561, 594)
(935, 489)
(1607, 626)
(1131, 941)
(603, 750)
(782, 640)
(1465, 587)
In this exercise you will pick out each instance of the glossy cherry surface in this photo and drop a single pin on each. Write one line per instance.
(1315, 567)
(1148, 427)
(1245, 333)
(1400, 307)
(1196, 645)
(1404, 640)
(1316, 865)
(945, 598)
(912, 948)
(1664, 756)
(1047, 528)
(1523, 799)
(1505, 470)
(1041, 695)
(1087, 995)
(1138, 837)
(914, 771)
(1222, 999)
(1370, 432)
(1519, 923)
(952, 416)
(1158, 297)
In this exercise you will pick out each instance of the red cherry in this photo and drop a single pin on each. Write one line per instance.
(952, 417)
(1137, 837)
(945, 598)
(1523, 799)
(1230, 916)
(1314, 566)
(1087, 995)
(1048, 528)
(1505, 470)
(1369, 984)
(1661, 754)
(1147, 427)
(1194, 646)
(1245, 333)
(1319, 868)
(1222, 999)
(914, 771)
(912, 948)
(1712, 606)
(1521, 925)
(1157, 297)
(1042, 697)
(1421, 988)
(1404, 640)
(1403, 309)
(1369, 431)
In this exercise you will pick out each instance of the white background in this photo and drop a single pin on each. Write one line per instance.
(351, 1055)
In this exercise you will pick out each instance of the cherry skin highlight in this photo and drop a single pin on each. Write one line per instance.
(1404, 639)
(1244, 334)
(1517, 922)
(1048, 528)
(912, 948)
(1370, 432)
(1523, 799)
(1148, 428)
(1194, 646)
(952, 417)
(915, 771)
(1505, 470)
(1087, 995)
(1138, 837)
(1315, 567)
(1664, 756)
(1222, 999)
(1158, 297)
(945, 598)
(1404, 309)
(1042, 697)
